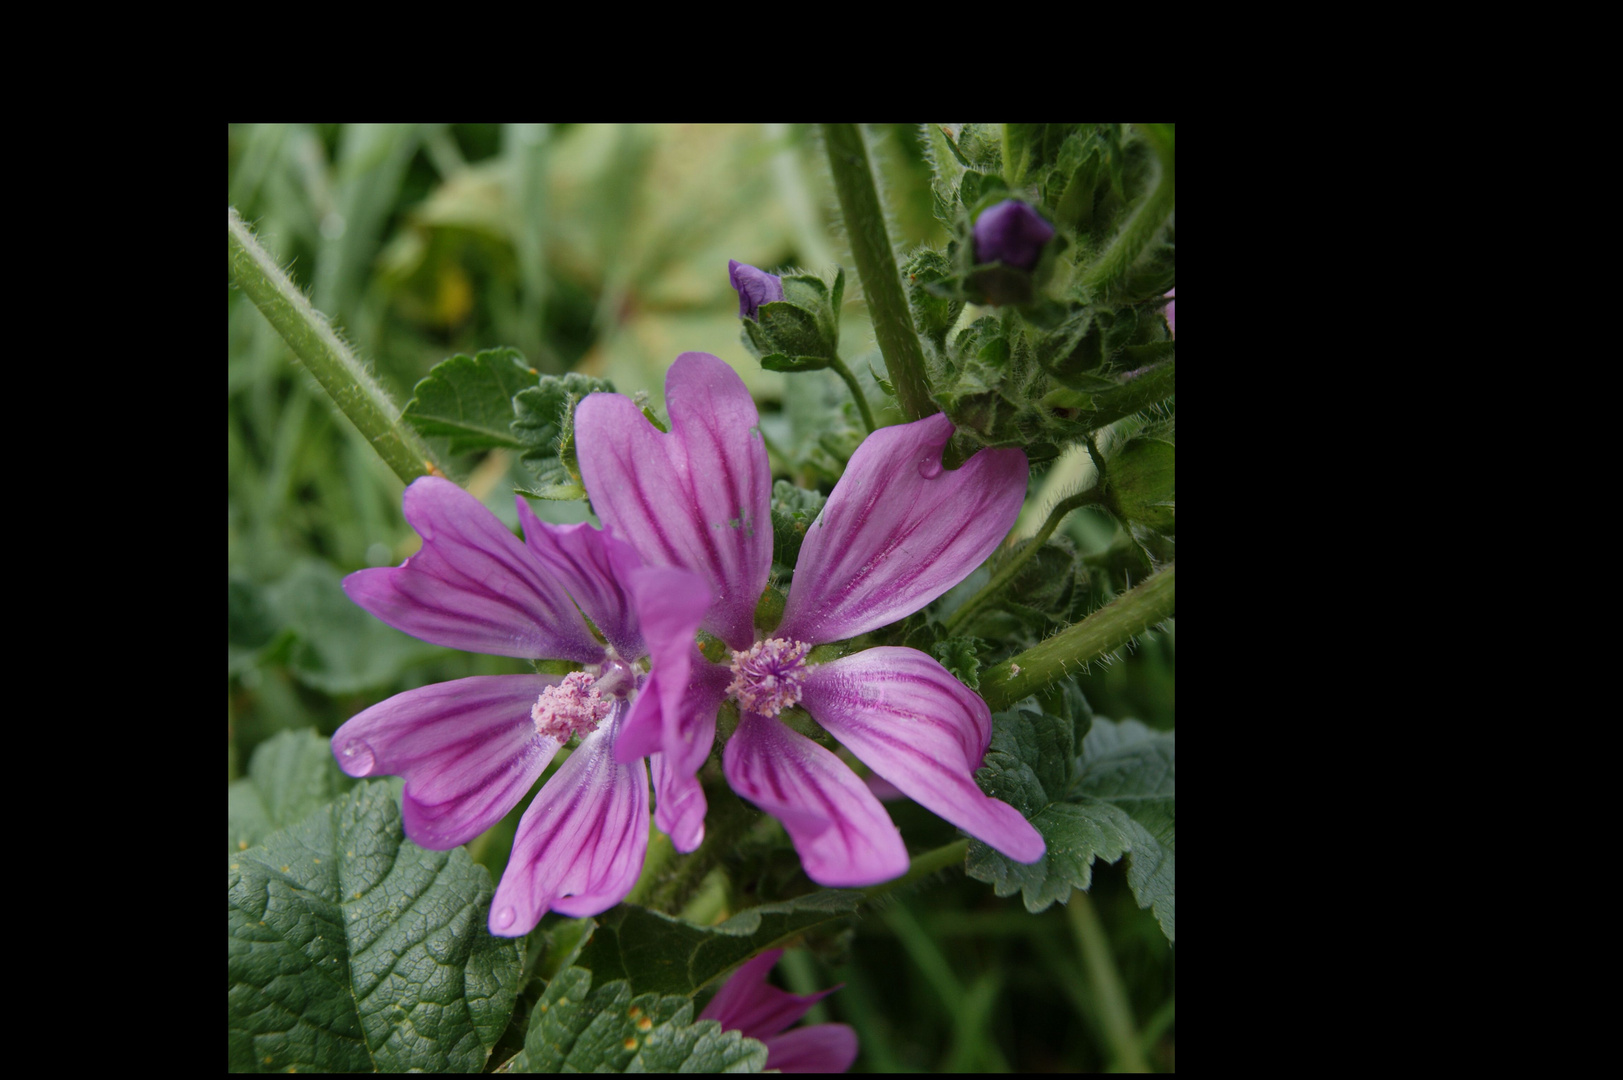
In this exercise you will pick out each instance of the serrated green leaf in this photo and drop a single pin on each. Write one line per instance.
(544, 425)
(793, 511)
(471, 399)
(1118, 799)
(958, 655)
(354, 950)
(576, 1028)
(659, 953)
(340, 648)
(291, 775)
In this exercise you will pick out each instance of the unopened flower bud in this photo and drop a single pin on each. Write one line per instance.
(1011, 233)
(755, 287)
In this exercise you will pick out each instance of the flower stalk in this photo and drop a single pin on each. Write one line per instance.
(1001, 579)
(876, 263)
(312, 339)
(1112, 626)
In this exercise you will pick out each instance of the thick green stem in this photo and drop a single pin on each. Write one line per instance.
(922, 866)
(876, 263)
(1115, 1015)
(1112, 626)
(1110, 268)
(1001, 579)
(313, 341)
(856, 391)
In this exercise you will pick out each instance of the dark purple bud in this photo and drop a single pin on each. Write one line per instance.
(755, 287)
(1012, 233)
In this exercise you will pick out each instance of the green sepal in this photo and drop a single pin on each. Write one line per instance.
(1117, 798)
(577, 1027)
(769, 610)
(1143, 484)
(780, 362)
(932, 293)
(470, 399)
(354, 950)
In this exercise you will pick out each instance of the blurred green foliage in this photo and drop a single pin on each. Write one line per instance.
(603, 250)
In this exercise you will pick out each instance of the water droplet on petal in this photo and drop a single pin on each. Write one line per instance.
(505, 917)
(358, 758)
(930, 467)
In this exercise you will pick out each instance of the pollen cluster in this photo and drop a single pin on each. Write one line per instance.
(770, 675)
(573, 707)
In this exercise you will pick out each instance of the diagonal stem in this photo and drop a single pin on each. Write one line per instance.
(1001, 579)
(312, 339)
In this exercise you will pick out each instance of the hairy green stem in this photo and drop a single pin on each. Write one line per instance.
(1109, 995)
(1001, 579)
(312, 339)
(876, 263)
(1130, 614)
(1110, 268)
(856, 391)
(922, 866)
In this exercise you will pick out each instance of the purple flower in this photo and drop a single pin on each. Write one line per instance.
(750, 1004)
(1011, 232)
(897, 532)
(1172, 313)
(755, 287)
(470, 749)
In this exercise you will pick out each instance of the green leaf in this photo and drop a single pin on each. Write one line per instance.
(658, 953)
(1118, 798)
(471, 399)
(793, 511)
(544, 425)
(1143, 484)
(341, 649)
(576, 1028)
(354, 950)
(291, 775)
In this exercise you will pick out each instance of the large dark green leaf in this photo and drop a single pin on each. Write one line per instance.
(354, 950)
(576, 1028)
(1118, 798)
(470, 398)
(666, 955)
(292, 773)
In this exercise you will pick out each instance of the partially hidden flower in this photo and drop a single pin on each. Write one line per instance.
(749, 1004)
(755, 287)
(897, 532)
(470, 749)
(1012, 233)
(1172, 312)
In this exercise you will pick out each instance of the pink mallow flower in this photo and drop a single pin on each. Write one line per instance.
(750, 1004)
(897, 532)
(470, 749)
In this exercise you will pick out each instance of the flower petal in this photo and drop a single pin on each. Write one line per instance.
(670, 604)
(577, 557)
(679, 804)
(824, 1048)
(899, 530)
(844, 836)
(467, 749)
(910, 721)
(697, 498)
(748, 1003)
(580, 845)
(473, 585)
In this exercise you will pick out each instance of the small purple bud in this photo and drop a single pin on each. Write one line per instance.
(755, 287)
(1012, 233)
